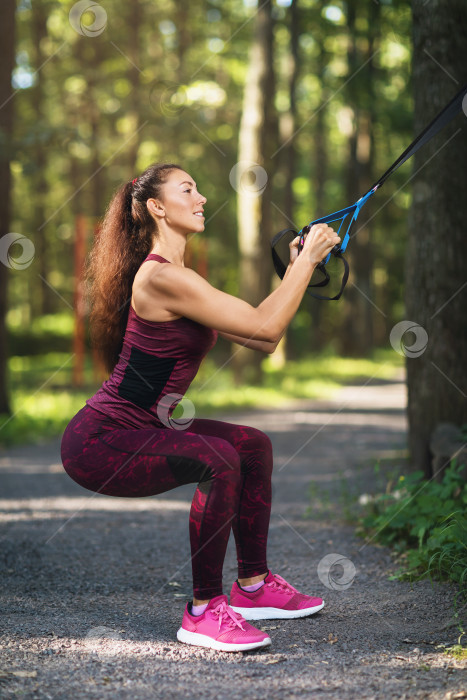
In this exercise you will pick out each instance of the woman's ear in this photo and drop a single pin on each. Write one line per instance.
(155, 207)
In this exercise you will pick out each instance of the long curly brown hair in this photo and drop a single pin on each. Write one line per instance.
(125, 237)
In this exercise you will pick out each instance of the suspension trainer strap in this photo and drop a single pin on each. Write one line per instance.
(439, 122)
(281, 268)
(345, 277)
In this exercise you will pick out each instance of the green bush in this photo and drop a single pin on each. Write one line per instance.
(425, 523)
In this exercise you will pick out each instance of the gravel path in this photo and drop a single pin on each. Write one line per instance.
(93, 588)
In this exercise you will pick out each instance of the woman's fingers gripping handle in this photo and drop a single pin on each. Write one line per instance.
(294, 249)
(319, 240)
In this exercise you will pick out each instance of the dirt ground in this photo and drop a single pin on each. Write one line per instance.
(93, 588)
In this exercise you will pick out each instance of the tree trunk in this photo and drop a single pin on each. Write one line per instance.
(287, 129)
(7, 39)
(317, 338)
(47, 297)
(97, 172)
(357, 324)
(437, 249)
(257, 134)
(135, 20)
(288, 121)
(77, 169)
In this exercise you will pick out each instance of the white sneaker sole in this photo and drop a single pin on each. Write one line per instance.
(202, 640)
(275, 613)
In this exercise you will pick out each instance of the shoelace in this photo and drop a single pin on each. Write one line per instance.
(228, 616)
(282, 586)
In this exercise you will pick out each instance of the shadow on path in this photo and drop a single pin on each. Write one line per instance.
(93, 587)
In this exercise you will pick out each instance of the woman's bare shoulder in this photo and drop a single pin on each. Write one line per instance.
(186, 293)
(147, 297)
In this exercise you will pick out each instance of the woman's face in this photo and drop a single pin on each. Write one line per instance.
(180, 204)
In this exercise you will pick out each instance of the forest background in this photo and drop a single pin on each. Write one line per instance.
(282, 111)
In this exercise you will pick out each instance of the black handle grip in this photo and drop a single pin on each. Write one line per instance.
(303, 232)
(335, 251)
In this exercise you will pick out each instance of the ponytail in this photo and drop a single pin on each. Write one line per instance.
(124, 239)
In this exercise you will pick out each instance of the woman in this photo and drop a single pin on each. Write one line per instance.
(153, 320)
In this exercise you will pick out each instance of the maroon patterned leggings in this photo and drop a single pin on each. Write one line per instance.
(231, 464)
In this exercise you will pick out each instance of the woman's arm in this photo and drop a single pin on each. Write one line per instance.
(185, 293)
(260, 345)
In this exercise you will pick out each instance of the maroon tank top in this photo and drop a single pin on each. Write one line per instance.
(158, 362)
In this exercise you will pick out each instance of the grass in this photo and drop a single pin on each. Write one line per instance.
(457, 651)
(43, 398)
(311, 378)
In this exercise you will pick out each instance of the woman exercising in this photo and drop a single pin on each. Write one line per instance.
(153, 320)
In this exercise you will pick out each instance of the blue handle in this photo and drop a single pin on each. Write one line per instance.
(341, 216)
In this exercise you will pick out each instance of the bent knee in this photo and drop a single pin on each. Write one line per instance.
(223, 461)
(259, 440)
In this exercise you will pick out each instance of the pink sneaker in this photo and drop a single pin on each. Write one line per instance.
(219, 627)
(275, 599)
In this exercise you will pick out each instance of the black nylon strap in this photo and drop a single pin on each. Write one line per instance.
(345, 277)
(438, 123)
(281, 268)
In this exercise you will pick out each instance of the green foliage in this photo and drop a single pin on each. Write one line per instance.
(44, 399)
(316, 376)
(426, 525)
(45, 334)
(165, 81)
(39, 417)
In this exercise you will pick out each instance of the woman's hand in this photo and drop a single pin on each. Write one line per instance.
(319, 241)
(293, 247)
